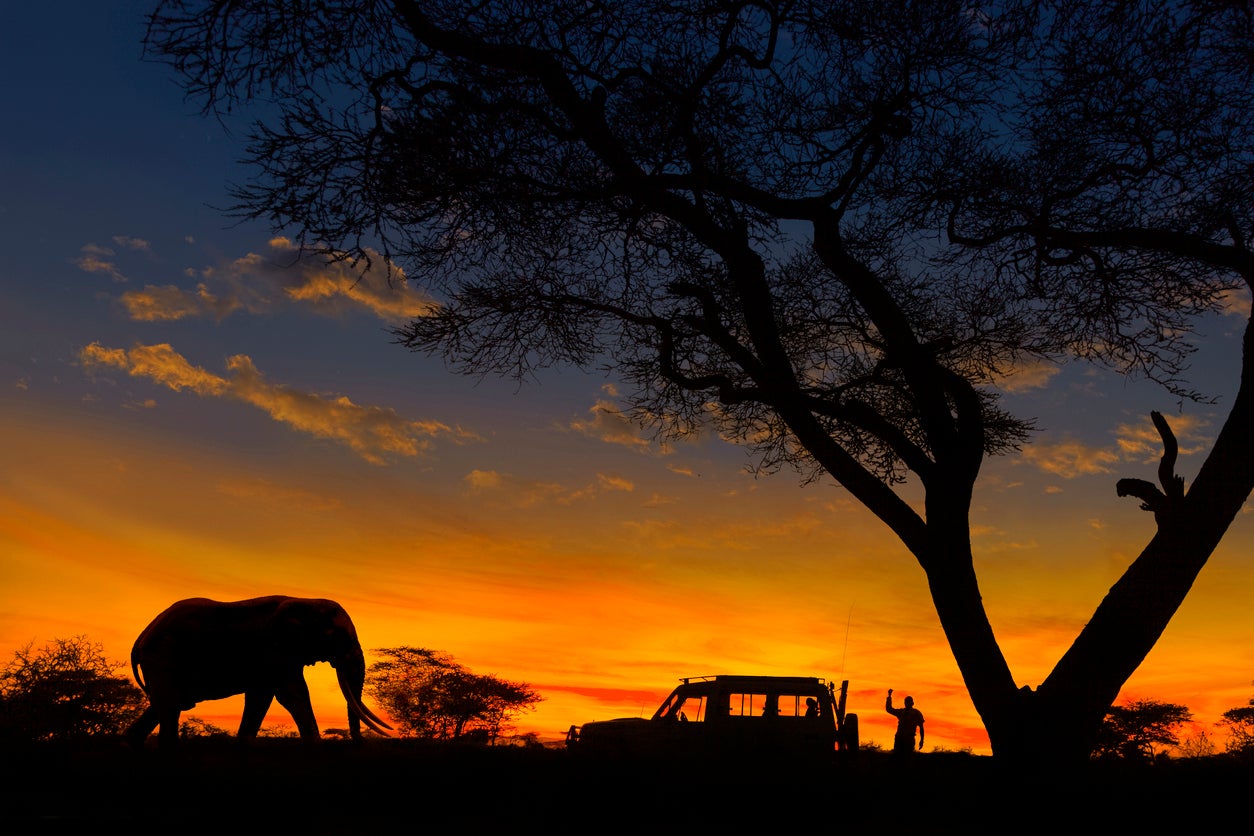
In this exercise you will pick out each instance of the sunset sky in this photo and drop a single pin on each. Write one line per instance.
(188, 408)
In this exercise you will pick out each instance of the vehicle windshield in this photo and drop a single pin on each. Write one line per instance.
(683, 707)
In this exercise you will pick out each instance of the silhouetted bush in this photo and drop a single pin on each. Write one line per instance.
(67, 689)
(196, 727)
(432, 696)
(1132, 731)
(1239, 723)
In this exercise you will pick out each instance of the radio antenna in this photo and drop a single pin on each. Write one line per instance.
(845, 651)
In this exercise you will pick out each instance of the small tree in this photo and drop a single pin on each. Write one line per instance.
(1132, 731)
(195, 727)
(66, 690)
(432, 696)
(1239, 723)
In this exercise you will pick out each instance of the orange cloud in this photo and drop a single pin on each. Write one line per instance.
(1138, 442)
(94, 260)
(1070, 459)
(1027, 376)
(609, 424)
(1141, 441)
(615, 483)
(131, 243)
(373, 432)
(159, 363)
(260, 283)
(526, 493)
(1235, 303)
(169, 302)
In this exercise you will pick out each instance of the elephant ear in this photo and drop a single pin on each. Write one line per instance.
(300, 630)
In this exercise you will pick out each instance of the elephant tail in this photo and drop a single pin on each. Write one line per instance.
(137, 650)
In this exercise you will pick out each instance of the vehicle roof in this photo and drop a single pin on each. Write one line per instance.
(751, 678)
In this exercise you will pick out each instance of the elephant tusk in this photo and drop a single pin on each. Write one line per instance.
(355, 705)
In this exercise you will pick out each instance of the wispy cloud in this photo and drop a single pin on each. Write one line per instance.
(1035, 374)
(526, 493)
(1137, 442)
(374, 433)
(286, 275)
(132, 243)
(96, 259)
(1071, 458)
(1141, 441)
(607, 423)
(1235, 303)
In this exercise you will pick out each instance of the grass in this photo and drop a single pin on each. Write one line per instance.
(283, 786)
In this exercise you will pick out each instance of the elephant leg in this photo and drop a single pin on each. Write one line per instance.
(168, 737)
(256, 704)
(142, 727)
(294, 696)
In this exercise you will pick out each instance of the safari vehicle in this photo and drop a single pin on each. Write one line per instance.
(788, 716)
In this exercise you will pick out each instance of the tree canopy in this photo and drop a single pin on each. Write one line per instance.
(827, 230)
(1239, 723)
(431, 696)
(1133, 731)
(66, 690)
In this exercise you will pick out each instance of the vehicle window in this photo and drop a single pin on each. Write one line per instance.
(747, 705)
(799, 705)
(685, 709)
(691, 709)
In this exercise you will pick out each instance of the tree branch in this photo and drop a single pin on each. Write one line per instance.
(1161, 502)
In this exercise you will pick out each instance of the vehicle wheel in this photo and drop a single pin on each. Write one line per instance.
(849, 734)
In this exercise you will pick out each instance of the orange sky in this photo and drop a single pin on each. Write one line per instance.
(188, 408)
(596, 570)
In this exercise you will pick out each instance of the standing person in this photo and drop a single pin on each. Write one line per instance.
(908, 719)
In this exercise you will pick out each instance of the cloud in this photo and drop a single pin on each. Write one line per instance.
(94, 260)
(1070, 459)
(525, 493)
(168, 302)
(285, 276)
(615, 483)
(159, 363)
(1141, 441)
(373, 432)
(138, 244)
(1138, 442)
(1235, 303)
(483, 479)
(607, 423)
(1035, 374)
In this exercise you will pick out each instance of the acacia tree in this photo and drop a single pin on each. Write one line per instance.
(1239, 723)
(826, 228)
(432, 696)
(1133, 730)
(66, 690)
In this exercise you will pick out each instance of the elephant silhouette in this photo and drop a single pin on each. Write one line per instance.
(199, 649)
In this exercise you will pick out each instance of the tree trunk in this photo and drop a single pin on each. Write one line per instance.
(1059, 722)
(955, 592)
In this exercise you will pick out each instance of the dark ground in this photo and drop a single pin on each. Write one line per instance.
(283, 787)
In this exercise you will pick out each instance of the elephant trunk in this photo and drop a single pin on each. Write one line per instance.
(351, 673)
